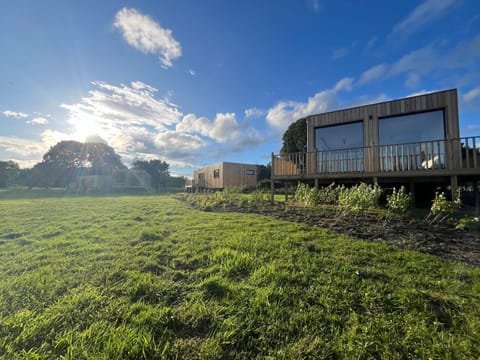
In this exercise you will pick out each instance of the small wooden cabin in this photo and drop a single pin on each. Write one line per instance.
(411, 140)
(225, 174)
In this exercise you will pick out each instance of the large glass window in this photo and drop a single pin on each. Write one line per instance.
(412, 142)
(411, 128)
(340, 148)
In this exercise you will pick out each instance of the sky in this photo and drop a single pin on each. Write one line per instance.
(195, 82)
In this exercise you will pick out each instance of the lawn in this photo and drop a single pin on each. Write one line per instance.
(148, 277)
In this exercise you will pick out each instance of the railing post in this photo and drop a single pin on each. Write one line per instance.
(474, 153)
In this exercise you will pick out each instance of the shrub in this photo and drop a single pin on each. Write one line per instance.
(257, 199)
(359, 198)
(468, 223)
(442, 209)
(329, 194)
(399, 202)
(306, 194)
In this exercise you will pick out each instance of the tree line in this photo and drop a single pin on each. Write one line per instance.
(67, 160)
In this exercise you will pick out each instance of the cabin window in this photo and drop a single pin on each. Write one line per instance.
(250, 172)
(340, 148)
(201, 179)
(411, 128)
(216, 173)
(412, 142)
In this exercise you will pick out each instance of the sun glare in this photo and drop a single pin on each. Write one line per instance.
(85, 128)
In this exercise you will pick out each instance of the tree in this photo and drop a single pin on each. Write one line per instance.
(157, 169)
(68, 159)
(9, 172)
(176, 182)
(295, 138)
(265, 172)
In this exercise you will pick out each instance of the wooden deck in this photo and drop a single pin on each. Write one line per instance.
(445, 157)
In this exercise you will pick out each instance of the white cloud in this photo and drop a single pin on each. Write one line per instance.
(344, 84)
(169, 141)
(33, 149)
(421, 92)
(122, 107)
(372, 41)
(224, 129)
(433, 58)
(284, 113)
(133, 121)
(427, 12)
(22, 147)
(374, 73)
(473, 129)
(38, 121)
(254, 113)
(15, 114)
(472, 94)
(314, 5)
(146, 35)
(340, 53)
(413, 80)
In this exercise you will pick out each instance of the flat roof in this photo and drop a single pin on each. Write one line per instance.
(381, 102)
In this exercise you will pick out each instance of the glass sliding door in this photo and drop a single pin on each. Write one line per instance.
(340, 148)
(412, 142)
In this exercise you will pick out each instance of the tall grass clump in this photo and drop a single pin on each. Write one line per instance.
(358, 199)
(399, 202)
(442, 209)
(329, 194)
(312, 196)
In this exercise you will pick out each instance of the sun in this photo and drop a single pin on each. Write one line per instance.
(87, 128)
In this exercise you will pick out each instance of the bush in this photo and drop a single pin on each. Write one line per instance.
(442, 209)
(359, 198)
(399, 201)
(329, 194)
(306, 194)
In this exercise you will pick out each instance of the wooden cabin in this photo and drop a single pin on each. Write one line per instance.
(410, 141)
(225, 174)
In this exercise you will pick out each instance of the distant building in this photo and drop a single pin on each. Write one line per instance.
(124, 180)
(225, 174)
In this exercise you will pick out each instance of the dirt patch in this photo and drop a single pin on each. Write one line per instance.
(439, 240)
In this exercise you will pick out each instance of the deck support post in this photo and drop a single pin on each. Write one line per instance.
(476, 196)
(272, 191)
(316, 183)
(286, 188)
(375, 180)
(454, 186)
(411, 190)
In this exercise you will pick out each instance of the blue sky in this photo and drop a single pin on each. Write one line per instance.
(197, 82)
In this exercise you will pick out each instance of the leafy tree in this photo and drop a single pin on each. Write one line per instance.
(295, 138)
(265, 172)
(176, 181)
(9, 172)
(102, 158)
(157, 169)
(68, 159)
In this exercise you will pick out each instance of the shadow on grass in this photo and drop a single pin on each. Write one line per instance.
(42, 193)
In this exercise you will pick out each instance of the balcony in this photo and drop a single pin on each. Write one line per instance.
(446, 157)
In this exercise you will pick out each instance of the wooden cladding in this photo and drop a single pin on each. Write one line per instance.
(225, 174)
(370, 115)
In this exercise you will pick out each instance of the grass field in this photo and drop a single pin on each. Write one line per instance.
(148, 277)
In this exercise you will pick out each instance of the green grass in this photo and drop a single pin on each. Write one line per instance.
(148, 277)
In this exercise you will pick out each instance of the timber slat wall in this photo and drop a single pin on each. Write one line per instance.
(230, 174)
(370, 115)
